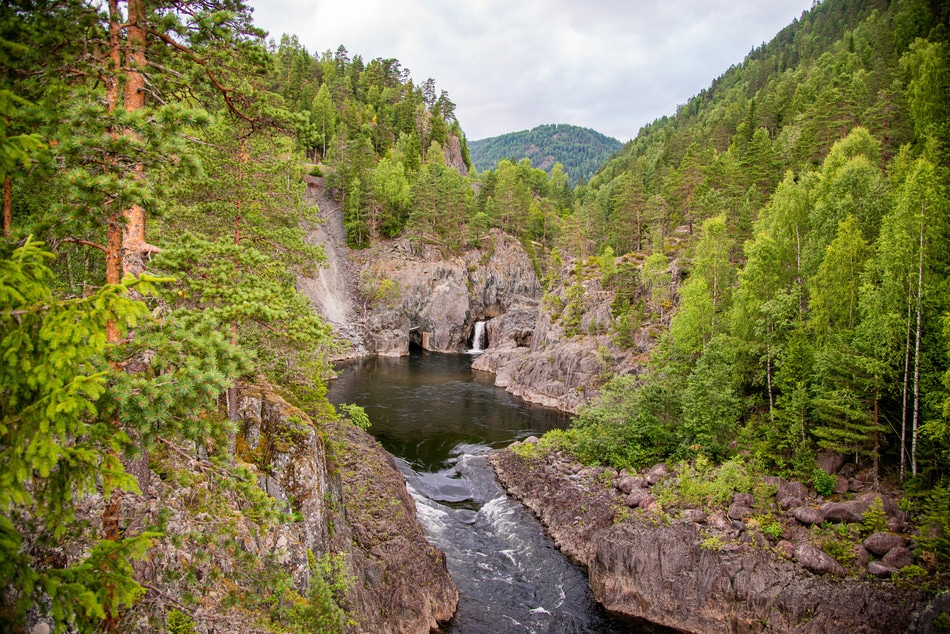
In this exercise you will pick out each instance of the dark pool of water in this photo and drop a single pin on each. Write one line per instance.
(440, 419)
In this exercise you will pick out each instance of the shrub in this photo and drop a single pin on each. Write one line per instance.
(823, 481)
(180, 623)
(770, 526)
(840, 549)
(356, 415)
(713, 542)
(874, 519)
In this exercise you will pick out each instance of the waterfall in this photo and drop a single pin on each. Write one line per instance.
(478, 338)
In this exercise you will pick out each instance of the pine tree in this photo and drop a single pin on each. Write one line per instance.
(57, 443)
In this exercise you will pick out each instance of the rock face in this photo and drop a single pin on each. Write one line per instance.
(646, 567)
(420, 296)
(333, 289)
(402, 584)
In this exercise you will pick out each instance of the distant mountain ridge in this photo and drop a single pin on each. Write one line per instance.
(580, 150)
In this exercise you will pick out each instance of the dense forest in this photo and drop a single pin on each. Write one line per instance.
(811, 309)
(581, 151)
(812, 313)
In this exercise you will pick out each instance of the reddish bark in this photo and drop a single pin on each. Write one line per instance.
(7, 207)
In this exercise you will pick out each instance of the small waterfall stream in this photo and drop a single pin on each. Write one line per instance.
(478, 338)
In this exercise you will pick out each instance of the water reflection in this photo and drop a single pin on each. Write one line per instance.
(422, 406)
(440, 419)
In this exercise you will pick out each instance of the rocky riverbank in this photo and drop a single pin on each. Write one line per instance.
(345, 551)
(697, 572)
(352, 501)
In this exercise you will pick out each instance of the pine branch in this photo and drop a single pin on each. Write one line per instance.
(85, 243)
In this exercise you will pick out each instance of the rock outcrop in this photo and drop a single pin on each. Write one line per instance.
(417, 295)
(227, 564)
(354, 501)
(643, 564)
(333, 289)
(573, 346)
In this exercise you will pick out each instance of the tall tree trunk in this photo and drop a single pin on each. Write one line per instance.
(904, 395)
(7, 207)
(134, 247)
(920, 299)
(877, 440)
(110, 514)
(768, 379)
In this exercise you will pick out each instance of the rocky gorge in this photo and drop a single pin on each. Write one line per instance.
(400, 293)
(683, 568)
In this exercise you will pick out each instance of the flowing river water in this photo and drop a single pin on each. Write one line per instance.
(440, 418)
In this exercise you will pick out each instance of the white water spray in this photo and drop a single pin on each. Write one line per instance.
(478, 338)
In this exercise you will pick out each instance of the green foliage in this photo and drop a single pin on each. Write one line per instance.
(910, 577)
(580, 150)
(240, 287)
(329, 585)
(713, 542)
(356, 415)
(935, 524)
(841, 549)
(573, 309)
(874, 519)
(770, 526)
(554, 440)
(700, 483)
(628, 425)
(823, 482)
(379, 290)
(178, 622)
(57, 440)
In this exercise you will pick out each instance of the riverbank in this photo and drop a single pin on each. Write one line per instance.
(678, 570)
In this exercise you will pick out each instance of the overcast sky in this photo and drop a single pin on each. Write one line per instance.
(509, 65)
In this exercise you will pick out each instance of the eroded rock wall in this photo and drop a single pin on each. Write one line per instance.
(419, 295)
(351, 500)
(645, 566)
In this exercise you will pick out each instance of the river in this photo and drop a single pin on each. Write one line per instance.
(440, 418)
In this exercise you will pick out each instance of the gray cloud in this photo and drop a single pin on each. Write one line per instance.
(510, 65)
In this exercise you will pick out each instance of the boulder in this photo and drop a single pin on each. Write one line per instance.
(841, 485)
(786, 549)
(739, 512)
(817, 561)
(626, 484)
(879, 569)
(898, 557)
(842, 511)
(743, 499)
(866, 500)
(694, 515)
(647, 502)
(635, 496)
(881, 543)
(830, 461)
(788, 495)
(657, 473)
(808, 515)
(861, 555)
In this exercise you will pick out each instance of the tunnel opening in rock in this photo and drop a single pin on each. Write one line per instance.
(415, 340)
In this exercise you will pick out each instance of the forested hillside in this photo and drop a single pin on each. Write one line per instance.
(793, 219)
(152, 157)
(813, 308)
(581, 151)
